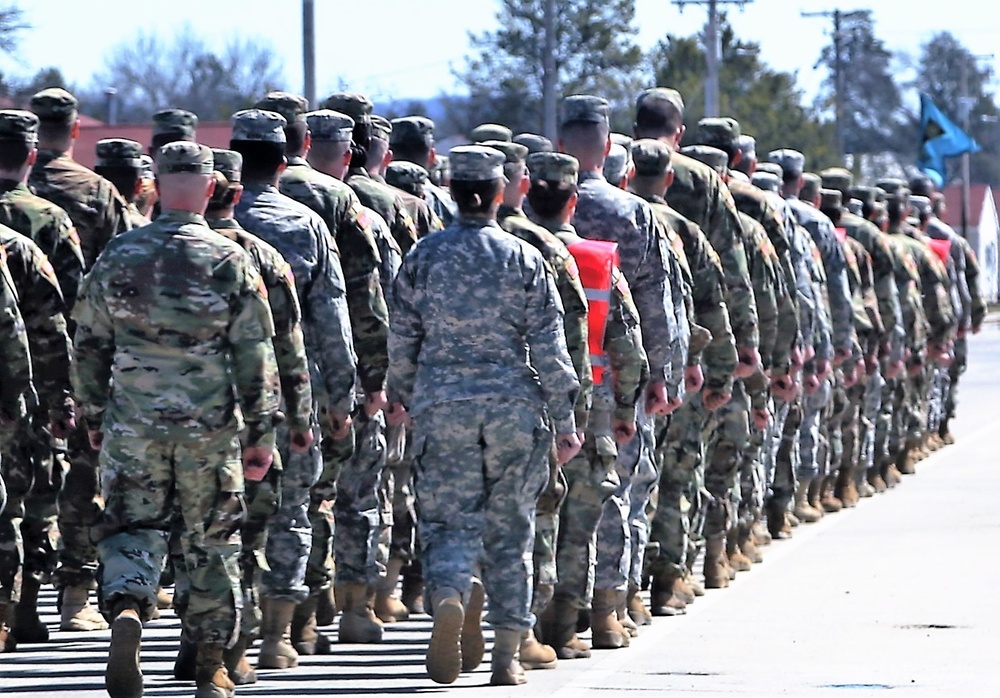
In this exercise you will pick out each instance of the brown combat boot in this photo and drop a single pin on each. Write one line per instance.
(944, 431)
(737, 560)
(874, 477)
(473, 643)
(123, 677)
(212, 679)
(802, 509)
(777, 524)
(759, 533)
(412, 593)
(558, 625)
(533, 654)
(388, 607)
(664, 599)
(906, 461)
(306, 638)
(636, 608)
(276, 651)
(326, 607)
(606, 632)
(240, 670)
(505, 667)
(846, 488)
(716, 573)
(444, 653)
(828, 501)
(358, 622)
(814, 496)
(76, 613)
(748, 545)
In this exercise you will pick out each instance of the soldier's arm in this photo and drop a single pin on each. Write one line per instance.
(711, 312)
(764, 299)
(66, 256)
(650, 289)
(788, 322)
(93, 351)
(404, 230)
(726, 235)
(574, 302)
(406, 336)
(626, 356)
(289, 349)
(679, 350)
(838, 290)
(978, 309)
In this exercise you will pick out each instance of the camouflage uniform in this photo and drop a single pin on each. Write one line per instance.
(411, 180)
(15, 373)
(421, 129)
(167, 438)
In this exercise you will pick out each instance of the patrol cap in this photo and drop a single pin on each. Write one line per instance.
(651, 157)
(18, 125)
(661, 99)
(54, 104)
(329, 125)
(381, 128)
(747, 146)
(412, 130)
(553, 167)
(258, 125)
(534, 142)
(118, 152)
(921, 185)
(855, 207)
(811, 186)
(175, 122)
(355, 105)
(921, 205)
(185, 157)
(718, 132)
(768, 181)
(475, 163)
(407, 176)
(291, 106)
(623, 140)
(513, 152)
(616, 163)
(146, 169)
(490, 132)
(866, 195)
(831, 199)
(586, 108)
(229, 163)
(837, 178)
(792, 161)
(772, 167)
(891, 185)
(717, 159)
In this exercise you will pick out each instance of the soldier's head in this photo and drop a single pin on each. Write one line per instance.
(811, 186)
(938, 206)
(171, 125)
(331, 141)
(259, 136)
(490, 132)
(831, 203)
(514, 170)
(359, 108)
(18, 143)
(585, 130)
(534, 142)
(922, 185)
(553, 190)
(920, 207)
(58, 119)
(653, 170)
(440, 172)
(228, 166)
(120, 161)
(477, 179)
(722, 133)
(184, 176)
(838, 178)
(747, 162)
(792, 164)
(292, 108)
(897, 198)
(145, 198)
(379, 152)
(408, 176)
(659, 114)
(412, 140)
(866, 195)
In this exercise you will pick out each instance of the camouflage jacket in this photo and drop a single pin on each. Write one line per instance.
(385, 201)
(424, 218)
(15, 369)
(939, 230)
(934, 290)
(883, 265)
(440, 201)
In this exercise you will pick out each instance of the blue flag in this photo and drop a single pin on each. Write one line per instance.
(940, 138)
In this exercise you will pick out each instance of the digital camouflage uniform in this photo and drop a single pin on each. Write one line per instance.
(411, 180)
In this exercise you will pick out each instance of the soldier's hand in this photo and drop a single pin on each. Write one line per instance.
(748, 363)
(375, 402)
(840, 356)
(623, 431)
(62, 427)
(301, 440)
(783, 387)
(940, 353)
(894, 369)
(851, 375)
(871, 363)
(340, 425)
(96, 438)
(811, 383)
(797, 357)
(397, 415)
(567, 446)
(656, 398)
(761, 418)
(822, 369)
(256, 462)
(810, 353)
(976, 328)
(714, 399)
(694, 378)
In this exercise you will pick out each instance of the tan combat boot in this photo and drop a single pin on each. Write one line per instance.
(636, 608)
(558, 624)
(358, 622)
(212, 679)
(412, 593)
(306, 638)
(241, 672)
(505, 667)
(801, 508)
(473, 643)
(846, 489)
(388, 607)
(828, 501)
(944, 431)
(716, 574)
(606, 632)
(777, 524)
(814, 494)
(276, 651)
(533, 654)
(737, 560)
(444, 653)
(664, 599)
(874, 477)
(621, 613)
(748, 544)
(123, 677)
(77, 614)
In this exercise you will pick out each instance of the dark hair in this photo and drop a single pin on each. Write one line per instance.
(123, 177)
(54, 129)
(295, 136)
(161, 139)
(475, 196)
(222, 196)
(548, 198)
(13, 154)
(261, 159)
(411, 151)
(657, 121)
(834, 213)
(897, 210)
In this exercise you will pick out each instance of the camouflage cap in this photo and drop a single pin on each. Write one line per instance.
(718, 132)
(54, 104)
(772, 167)
(407, 176)
(717, 159)
(921, 185)
(855, 207)
(660, 99)
(533, 142)
(513, 152)
(866, 195)
(18, 125)
(329, 125)
(622, 140)
(184, 157)
(921, 205)
(474, 163)
(811, 186)
(651, 157)
(890, 185)
(355, 105)
(553, 167)
(768, 181)
(616, 163)
(837, 178)
(586, 108)
(490, 132)
(880, 195)
(291, 106)
(175, 122)
(747, 146)
(146, 169)
(831, 199)
(381, 127)
(792, 161)
(258, 125)
(118, 152)
(229, 163)
(412, 130)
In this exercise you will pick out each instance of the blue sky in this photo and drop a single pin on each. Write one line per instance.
(385, 49)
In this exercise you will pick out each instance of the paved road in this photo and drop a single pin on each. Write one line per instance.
(899, 594)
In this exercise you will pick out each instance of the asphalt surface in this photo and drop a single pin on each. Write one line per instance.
(897, 595)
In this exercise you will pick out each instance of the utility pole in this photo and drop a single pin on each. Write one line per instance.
(549, 125)
(309, 51)
(966, 107)
(713, 49)
(838, 68)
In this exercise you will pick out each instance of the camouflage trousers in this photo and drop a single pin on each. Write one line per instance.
(940, 387)
(28, 534)
(871, 405)
(358, 507)
(591, 479)
(748, 497)
(890, 432)
(479, 468)
(681, 454)
(786, 452)
(915, 407)
(812, 442)
(334, 452)
(842, 427)
(775, 481)
(403, 538)
(547, 536)
(289, 534)
(728, 437)
(641, 490)
(955, 371)
(145, 482)
(80, 506)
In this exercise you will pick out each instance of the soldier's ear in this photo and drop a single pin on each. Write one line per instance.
(607, 146)
(387, 158)
(32, 157)
(668, 179)
(306, 143)
(237, 190)
(433, 156)
(283, 165)
(75, 131)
